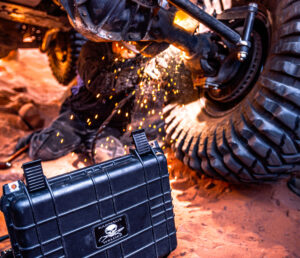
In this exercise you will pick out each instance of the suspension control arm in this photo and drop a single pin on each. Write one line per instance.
(208, 20)
(220, 28)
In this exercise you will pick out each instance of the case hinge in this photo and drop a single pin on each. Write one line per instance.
(34, 176)
(140, 141)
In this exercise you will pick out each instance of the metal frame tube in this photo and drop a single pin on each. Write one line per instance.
(249, 22)
(209, 21)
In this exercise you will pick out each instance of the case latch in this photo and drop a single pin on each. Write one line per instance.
(34, 176)
(140, 141)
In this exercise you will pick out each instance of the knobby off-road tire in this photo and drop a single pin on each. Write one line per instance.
(258, 139)
(63, 54)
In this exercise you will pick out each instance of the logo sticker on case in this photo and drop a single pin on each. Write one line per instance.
(111, 231)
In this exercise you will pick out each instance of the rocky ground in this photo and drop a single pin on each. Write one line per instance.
(213, 218)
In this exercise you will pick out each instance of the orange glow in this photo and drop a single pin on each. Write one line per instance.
(184, 21)
(17, 17)
(121, 51)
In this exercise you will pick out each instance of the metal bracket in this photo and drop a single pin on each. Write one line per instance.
(34, 176)
(141, 142)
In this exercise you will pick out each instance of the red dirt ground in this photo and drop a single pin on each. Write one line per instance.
(213, 218)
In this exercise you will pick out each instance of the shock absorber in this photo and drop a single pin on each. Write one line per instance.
(245, 44)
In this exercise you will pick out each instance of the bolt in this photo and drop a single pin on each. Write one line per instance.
(254, 5)
(242, 56)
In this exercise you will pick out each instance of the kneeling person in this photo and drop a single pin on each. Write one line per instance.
(107, 74)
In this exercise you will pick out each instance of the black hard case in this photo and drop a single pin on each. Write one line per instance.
(67, 216)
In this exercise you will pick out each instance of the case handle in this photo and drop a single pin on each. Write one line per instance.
(34, 176)
(141, 142)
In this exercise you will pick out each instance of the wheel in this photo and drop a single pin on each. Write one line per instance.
(62, 56)
(251, 132)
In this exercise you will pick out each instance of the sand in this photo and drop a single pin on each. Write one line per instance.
(213, 218)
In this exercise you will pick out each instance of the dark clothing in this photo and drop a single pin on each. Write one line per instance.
(106, 81)
(61, 137)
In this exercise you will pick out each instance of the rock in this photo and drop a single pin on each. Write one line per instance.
(227, 190)
(20, 89)
(182, 184)
(2, 69)
(5, 96)
(13, 55)
(11, 121)
(11, 100)
(22, 99)
(209, 185)
(31, 115)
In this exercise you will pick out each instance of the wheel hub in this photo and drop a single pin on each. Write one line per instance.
(235, 79)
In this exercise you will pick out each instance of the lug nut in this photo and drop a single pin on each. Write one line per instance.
(242, 56)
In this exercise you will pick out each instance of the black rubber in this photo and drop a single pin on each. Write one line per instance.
(294, 185)
(2, 238)
(259, 139)
(65, 71)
